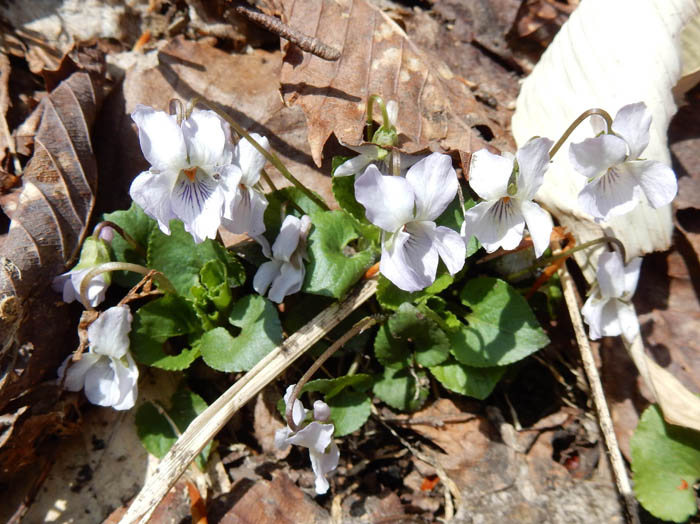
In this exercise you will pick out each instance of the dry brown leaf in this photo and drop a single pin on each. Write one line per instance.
(436, 107)
(6, 142)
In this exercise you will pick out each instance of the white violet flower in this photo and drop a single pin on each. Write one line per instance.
(616, 176)
(245, 205)
(107, 372)
(406, 209)
(93, 253)
(315, 436)
(608, 310)
(508, 186)
(284, 273)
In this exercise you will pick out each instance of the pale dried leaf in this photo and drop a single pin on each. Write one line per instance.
(690, 55)
(436, 107)
(607, 55)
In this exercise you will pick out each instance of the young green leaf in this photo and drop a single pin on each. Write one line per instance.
(261, 332)
(501, 326)
(154, 323)
(330, 271)
(402, 389)
(333, 386)
(349, 411)
(139, 225)
(666, 466)
(467, 380)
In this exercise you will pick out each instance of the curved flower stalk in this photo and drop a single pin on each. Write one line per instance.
(315, 436)
(196, 174)
(617, 178)
(284, 273)
(608, 310)
(245, 205)
(508, 186)
(107, 372)
(406, 209)
(95, 251)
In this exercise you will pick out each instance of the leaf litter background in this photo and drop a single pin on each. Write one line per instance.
(531, 452)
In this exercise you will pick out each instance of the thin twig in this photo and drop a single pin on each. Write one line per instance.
(205, 427)
(276, 26)
(601, 406)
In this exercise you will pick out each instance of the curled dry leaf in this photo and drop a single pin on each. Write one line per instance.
(435, 106)
(48, 222)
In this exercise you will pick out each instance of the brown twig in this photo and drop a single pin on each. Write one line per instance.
(304, 42)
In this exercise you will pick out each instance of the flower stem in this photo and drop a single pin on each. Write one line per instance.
(270, 157)
(268, 180)
(176, 108)
(565, 254)
(354, 330)
(121, 266)
(370, 121)
(126, 236)
(574, 125)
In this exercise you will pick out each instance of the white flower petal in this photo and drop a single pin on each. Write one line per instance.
(109, 334)
(388, 200)
(288, 238)
(127, 379)
(322, 411)
(489, 174)
(206, 136)
(199, 204)
(451, 248)
(282, 437)
(75, 373)
(658, 181)
(627, 318)
(615, 193)
(353, 165)
(539, 224)
(409, 259)
(610, 325)
(162, 142)
(265, 274)
(533, 160)
(594, 156)
(631, 277)
(96, 289)
(592, 312)
(288, 282)
(152, 192)
(230, 182)
(250, 160)
(632, 122)
(322, 464)
(496, 224)
(101, 386)
(247, 213)
(434, 183)
(315, 436)
(298, 411)
(611, 274)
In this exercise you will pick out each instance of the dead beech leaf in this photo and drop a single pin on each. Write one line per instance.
(48, 222)
(435, 106)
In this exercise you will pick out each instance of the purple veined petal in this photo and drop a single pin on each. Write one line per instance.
(434, 183)
(101, 387)
(451, 248)
(75, 372)
(289, 281)
(265, 274)
(594, 156)
(127, 379)
(631, 277)
(657, 180)
(288, 238)
(205, 136)
(615, 193)
(539, 224)
(109, 334)
(250, 160)
(388, 200)
(533, 160)
(632, 123)
(314, 436)
(489, 174)
(496, 224)
(355, 164)
(246, 213)
(298, 411)
(592, 312)
(152, 192)
(162, 142)
(627, 319)
(322, 464)
(611, 274)
(410, 258)
(199, 202)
